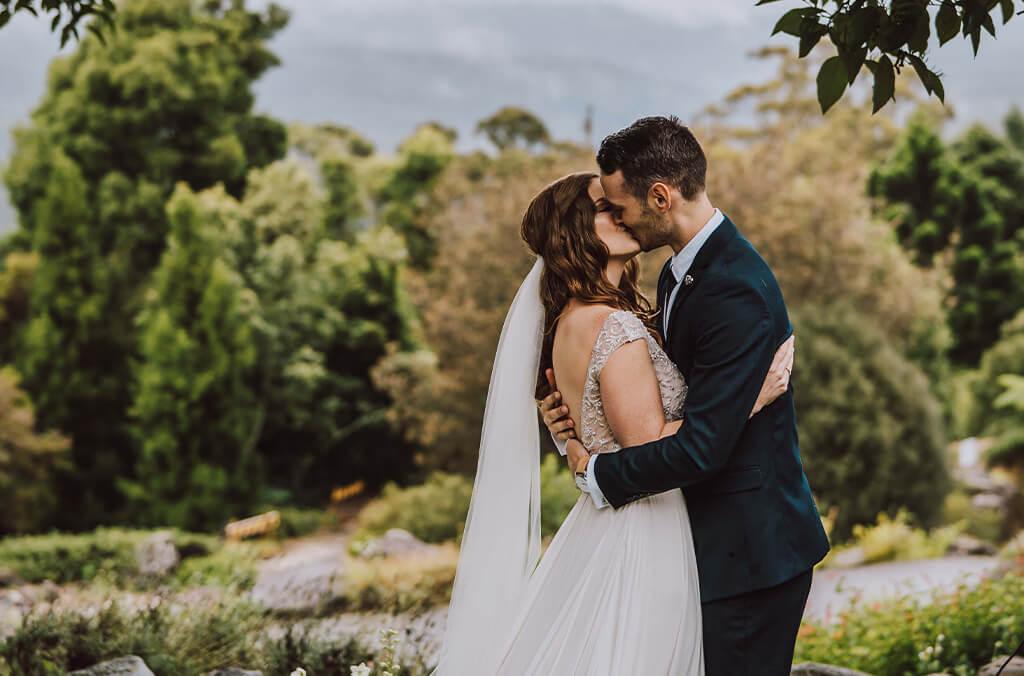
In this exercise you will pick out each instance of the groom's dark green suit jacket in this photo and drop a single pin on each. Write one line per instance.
(754, 521)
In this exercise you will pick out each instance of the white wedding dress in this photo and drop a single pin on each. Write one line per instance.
(616, 592)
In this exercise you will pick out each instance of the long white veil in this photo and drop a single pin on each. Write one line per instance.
(501, 542)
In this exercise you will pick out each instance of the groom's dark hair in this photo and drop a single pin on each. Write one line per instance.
(655, 149)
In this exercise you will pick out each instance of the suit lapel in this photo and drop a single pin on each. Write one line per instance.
(719, 239)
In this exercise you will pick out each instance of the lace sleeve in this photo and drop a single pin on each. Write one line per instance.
(620, 327)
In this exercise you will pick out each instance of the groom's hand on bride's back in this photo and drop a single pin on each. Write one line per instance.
(556, 413)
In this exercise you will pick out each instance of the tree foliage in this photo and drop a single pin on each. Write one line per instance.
(167, 98)
(27, 461)
(871, 431)
(957, 205)
(66, 15)
(513, 127)
(886, 37)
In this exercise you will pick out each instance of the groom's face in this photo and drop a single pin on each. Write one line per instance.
(650, 228)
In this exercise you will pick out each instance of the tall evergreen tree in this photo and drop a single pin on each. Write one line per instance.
(960, 199)
(167, 98)
(195, 409)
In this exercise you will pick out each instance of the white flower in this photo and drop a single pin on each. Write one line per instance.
(299, 671)
(359, 670)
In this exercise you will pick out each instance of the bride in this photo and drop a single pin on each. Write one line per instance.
(616, 592)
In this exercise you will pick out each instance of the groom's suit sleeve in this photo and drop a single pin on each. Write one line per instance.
(733, 351)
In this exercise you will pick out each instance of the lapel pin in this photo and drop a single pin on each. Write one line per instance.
(688, 280)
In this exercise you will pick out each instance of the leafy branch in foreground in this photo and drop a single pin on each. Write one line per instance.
(886, 37)
(65, 14)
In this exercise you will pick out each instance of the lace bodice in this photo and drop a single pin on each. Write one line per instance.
(621, 327)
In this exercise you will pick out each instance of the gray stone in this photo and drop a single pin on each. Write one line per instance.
(815, 669)
(130, 665)
(234, 671)
(1014, 668)
(8, 578)
(395, 542)
(965, 545)
(157, 555)
(993, 501)
(304, 578)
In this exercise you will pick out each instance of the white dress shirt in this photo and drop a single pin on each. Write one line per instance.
(680, 265)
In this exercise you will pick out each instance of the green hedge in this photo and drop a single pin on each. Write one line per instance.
(957, 633)
(435, 511)
(107, 555)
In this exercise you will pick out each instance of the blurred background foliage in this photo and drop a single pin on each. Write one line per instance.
(205, 311)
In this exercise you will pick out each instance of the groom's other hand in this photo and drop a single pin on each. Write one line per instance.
(555, 413)
(776, 383)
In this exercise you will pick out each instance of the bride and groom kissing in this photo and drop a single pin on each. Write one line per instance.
(691, 547)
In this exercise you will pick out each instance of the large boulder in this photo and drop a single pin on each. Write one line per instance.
(130, 665)
(395, 542)
(815, 669)
(1014, 668)
(234, 671)
(157, 555)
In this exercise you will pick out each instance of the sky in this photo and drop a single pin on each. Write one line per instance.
(383, 67)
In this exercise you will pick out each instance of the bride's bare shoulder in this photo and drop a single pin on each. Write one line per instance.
(580, 325)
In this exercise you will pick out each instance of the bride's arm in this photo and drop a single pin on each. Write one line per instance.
(632, 397)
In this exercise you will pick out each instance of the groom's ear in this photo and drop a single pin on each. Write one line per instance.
(660, 196)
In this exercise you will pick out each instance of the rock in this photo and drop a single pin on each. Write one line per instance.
(130, 665)
(1014, 668)
(157, 555)
(814, 669)
(965, 545)
(302, 579)
(234, 671)
(8, 578)
(394, 542)
(994, 501)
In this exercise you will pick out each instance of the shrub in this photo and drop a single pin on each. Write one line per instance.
(435, 511)
(871, 431)
(207, 637)
(108, 555)
(983, 523)
(955, 632)
(413, 582)
(300, 521)
(897, 540)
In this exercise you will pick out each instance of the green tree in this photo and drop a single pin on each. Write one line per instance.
(329, 311)
(168, 98)
(1005, 356)
(885, 36)
(961, 200)
(27, 461)
(195, 411)
(17, 269)
(405, 198)
(871, 431)
(511, 127)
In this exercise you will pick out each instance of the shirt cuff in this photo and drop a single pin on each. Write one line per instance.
(592, 488)
(559, 444)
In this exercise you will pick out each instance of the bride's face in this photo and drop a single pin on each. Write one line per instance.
(618, 239)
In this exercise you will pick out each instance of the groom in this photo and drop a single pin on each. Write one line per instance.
(756, 529)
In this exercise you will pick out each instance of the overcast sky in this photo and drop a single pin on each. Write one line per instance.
(384, 66)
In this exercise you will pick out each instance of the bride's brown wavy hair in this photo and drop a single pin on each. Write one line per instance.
(559, 227)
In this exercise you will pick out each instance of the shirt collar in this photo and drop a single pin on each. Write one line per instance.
(682, 261)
